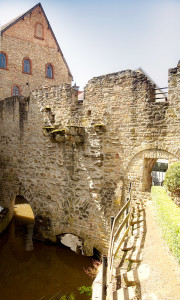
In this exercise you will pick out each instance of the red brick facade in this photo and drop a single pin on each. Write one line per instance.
(31, 38)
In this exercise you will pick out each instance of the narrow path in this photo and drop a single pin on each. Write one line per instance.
(164, 272)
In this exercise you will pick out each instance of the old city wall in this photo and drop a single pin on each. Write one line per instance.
(19, 42)
(73, 162)
(139, 129)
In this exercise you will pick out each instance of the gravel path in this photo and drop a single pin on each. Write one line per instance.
(163, 281)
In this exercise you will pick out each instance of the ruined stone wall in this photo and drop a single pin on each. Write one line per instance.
(137, 126)
(73, 163)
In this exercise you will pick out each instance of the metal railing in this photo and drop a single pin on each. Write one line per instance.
(160, 94)
(119, 231)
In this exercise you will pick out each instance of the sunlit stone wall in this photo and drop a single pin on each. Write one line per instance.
(73, 162)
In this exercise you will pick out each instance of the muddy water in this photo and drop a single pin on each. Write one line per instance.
(31, 270)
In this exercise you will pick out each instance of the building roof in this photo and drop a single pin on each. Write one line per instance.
(14, 21)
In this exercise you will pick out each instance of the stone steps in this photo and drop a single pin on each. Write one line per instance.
(127, 293)
(128, 243)
(128, 274)
(133, 247)
(135, 256)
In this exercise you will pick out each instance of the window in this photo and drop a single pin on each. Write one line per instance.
(49, 71)
(3, 61)
(26, 66)
(39, 32)
(15, 90)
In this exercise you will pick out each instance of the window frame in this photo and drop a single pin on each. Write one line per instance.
(30, 62)
(35, 31)
(12, 88)
(6, 62)
(46, 68)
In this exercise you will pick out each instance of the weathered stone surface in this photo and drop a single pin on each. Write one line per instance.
(5, 218)
(78, 185)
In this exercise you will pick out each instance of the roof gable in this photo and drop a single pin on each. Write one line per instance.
(5, 27)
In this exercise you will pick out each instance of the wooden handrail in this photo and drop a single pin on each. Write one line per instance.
(114, 235)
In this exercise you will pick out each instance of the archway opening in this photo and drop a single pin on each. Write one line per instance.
(153, 172)
(23, 209)
(158, 171)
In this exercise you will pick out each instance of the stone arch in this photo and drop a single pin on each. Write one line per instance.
(28, 200)
(139, 168)
(156, 146)
(20, 199)
(72, 241)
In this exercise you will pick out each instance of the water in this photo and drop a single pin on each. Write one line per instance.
(30, 270)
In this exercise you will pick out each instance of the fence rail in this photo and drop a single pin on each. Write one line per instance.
(160, 94)
(117, 237)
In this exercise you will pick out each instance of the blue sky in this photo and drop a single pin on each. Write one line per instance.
(100, 37)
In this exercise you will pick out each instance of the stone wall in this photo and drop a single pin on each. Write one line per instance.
(5, 219)
(73, 162)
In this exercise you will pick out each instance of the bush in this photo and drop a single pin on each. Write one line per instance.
(172, 179)
(168, 215)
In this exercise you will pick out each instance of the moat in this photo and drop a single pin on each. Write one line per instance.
(32, 270)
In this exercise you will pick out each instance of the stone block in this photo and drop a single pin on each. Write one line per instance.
(127, 293)
(135, 256)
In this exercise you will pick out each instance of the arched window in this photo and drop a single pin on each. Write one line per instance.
(15, 90)
(39, 31)
(49, 71)
(27, 66)
(3, 61)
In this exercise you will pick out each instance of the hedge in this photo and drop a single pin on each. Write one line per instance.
(172, 179)
(168, 215)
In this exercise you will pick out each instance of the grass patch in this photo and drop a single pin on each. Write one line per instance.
(168, 215)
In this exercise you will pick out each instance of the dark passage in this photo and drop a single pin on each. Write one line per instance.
(31, 270)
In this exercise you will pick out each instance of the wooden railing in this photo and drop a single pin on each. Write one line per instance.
(119, 231)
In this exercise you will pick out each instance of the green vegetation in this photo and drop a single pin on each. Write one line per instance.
(172, 179)
(86, 289)
(168, 215)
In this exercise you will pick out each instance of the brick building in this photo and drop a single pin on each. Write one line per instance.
(30, 55)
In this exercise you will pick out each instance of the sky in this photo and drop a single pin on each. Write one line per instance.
(98, 37)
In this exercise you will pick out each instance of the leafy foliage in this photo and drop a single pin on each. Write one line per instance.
(86, 289)
(168, 215)
(172, 179)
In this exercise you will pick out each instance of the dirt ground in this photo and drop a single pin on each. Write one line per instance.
(163, 271)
